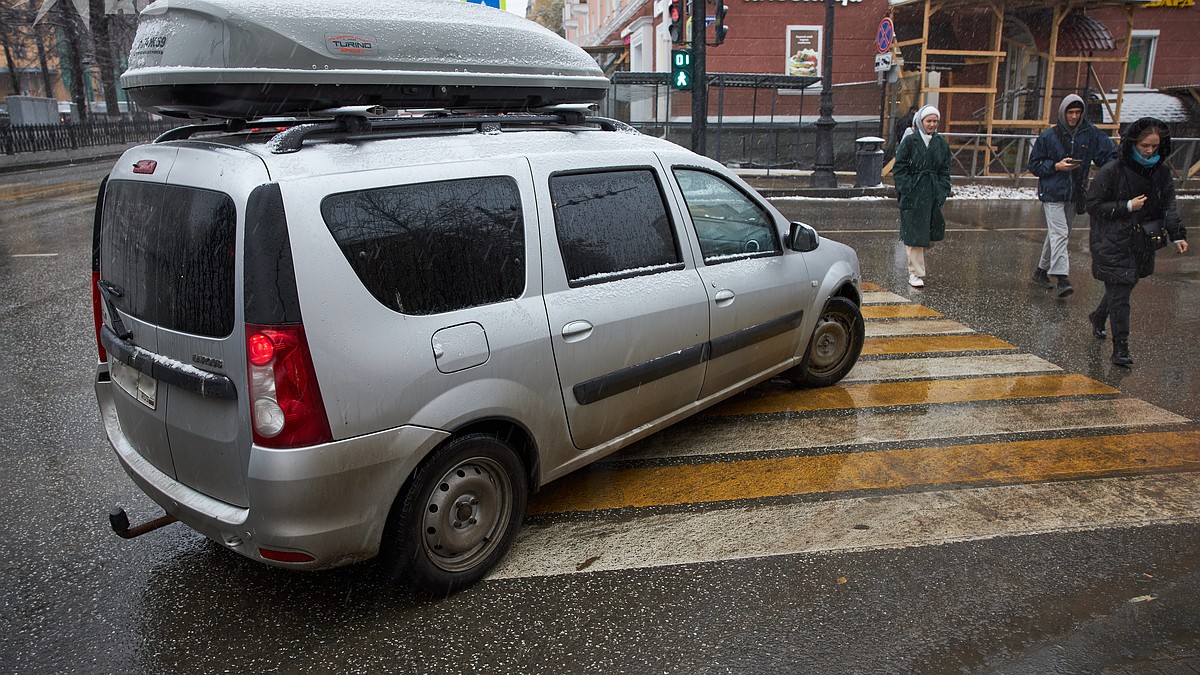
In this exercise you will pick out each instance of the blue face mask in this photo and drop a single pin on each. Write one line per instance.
(1145, 161)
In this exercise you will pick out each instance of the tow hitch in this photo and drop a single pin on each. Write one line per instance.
(120, 523)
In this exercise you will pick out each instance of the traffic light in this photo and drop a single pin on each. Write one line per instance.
(678, 19)
(681, 69)
(719, 27)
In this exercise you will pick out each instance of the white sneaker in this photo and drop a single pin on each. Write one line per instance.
(915, 281)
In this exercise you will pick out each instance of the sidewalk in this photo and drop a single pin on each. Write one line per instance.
(794, 183)
(27, 161)
(798, 183)
(774, 183)
(769, 183)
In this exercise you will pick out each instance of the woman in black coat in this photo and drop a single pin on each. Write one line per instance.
(1135, 188)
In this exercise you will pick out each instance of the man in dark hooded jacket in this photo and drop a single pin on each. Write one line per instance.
(1061, 160)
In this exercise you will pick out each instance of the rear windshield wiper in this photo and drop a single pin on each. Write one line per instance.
(109, 290)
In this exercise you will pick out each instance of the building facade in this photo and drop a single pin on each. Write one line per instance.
(1028, 53)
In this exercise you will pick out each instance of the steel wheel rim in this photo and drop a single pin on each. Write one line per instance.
(466, 513)
(831, 344)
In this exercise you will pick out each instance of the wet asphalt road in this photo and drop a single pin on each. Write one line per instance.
(75, 598)
(980, 277)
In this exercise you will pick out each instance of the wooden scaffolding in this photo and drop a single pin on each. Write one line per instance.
(932, 44)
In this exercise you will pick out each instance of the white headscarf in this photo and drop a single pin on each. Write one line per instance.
(924, 112)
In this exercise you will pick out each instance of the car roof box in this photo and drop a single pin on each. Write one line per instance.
(245, 59)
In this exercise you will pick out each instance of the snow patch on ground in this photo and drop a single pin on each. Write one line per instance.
(992, 192)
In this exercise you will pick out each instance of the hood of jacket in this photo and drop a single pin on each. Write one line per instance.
(1062, 113)
(1130, 137)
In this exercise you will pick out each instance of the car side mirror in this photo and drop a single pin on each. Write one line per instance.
(803, 238)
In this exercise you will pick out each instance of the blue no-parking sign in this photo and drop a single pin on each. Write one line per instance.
(885, 36)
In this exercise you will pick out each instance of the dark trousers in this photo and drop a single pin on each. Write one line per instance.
(1115, 305)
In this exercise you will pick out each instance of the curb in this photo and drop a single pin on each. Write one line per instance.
(882, 191)
(773, 185)
(30, 161)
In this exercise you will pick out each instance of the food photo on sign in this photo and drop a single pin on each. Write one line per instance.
(803, 51)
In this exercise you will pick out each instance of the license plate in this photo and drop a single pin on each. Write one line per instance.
(135, 383)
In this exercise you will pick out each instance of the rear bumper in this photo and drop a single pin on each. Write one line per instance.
(330, 501)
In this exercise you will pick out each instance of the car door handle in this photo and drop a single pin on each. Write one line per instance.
(724, 297)
(576, 331)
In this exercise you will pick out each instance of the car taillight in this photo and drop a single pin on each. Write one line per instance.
(285, 401)
(98, 314)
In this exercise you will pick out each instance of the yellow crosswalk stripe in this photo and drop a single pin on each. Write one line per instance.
(897, 311)
(932, 343)
(956, 465)
(909, 495)
(767, 399)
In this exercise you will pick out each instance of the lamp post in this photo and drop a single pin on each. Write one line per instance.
(699, 76)
(823, 176)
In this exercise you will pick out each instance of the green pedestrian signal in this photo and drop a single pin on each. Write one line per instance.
(681, 69)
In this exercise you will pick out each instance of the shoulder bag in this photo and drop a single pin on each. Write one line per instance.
(1149, 236)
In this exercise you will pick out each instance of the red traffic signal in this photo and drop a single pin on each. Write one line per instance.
(678, 19)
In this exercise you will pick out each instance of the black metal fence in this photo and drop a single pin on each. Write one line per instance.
(756, 121)
(1007, 155)
(70, 136)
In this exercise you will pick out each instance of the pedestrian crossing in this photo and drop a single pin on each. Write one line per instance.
(939, 434)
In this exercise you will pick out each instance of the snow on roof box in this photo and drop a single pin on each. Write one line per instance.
(252, 58)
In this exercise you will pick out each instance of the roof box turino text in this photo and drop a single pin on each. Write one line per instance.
(244, 59)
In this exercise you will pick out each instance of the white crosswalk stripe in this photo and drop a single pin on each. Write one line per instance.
(915, 327)
(948, 366)
(890, 521)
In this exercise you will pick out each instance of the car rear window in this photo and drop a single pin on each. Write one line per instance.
(433, 247)
(169, 250)
(611, 225)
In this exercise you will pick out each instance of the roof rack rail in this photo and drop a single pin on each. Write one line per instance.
(292, 139)
(185, 132)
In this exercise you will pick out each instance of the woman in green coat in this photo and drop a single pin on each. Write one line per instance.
(922, 173)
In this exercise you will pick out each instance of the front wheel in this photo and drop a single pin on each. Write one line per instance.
(458, 516)
(835, 345)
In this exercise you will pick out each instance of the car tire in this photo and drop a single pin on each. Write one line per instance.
(834, 347)
(458, 515)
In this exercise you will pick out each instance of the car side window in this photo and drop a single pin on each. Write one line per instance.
(728, 224)
(436, 247)
(612, 225)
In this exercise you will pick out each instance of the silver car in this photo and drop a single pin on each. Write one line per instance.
(356, 337)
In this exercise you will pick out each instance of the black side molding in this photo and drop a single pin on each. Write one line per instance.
(638, 374)
(163, 369)
(727, 344)
(630, 377)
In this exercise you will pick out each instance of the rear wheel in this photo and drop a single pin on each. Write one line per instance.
(459, 515)
(835, 345)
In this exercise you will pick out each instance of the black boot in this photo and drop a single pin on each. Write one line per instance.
(1098, 321)
(1064, 286)
(1041, 278)
(1121, 355)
